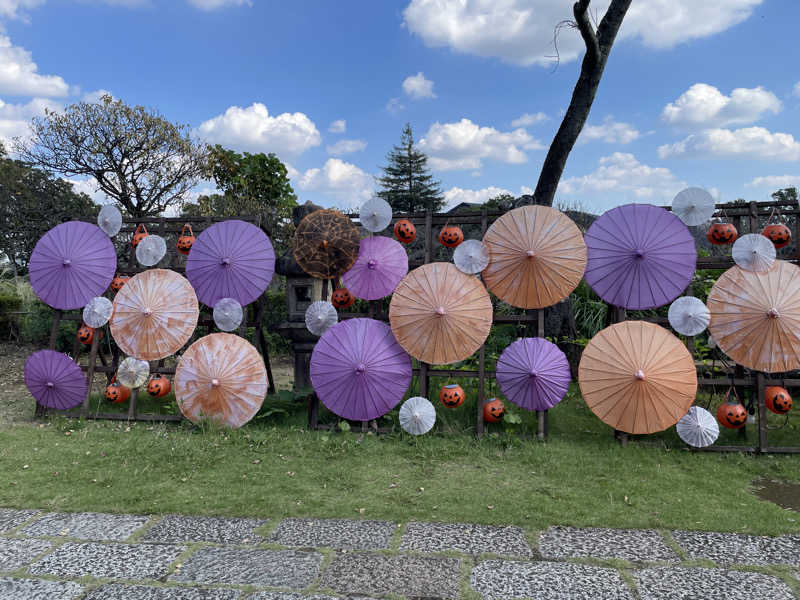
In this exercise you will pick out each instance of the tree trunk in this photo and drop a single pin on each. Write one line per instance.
(598, 47)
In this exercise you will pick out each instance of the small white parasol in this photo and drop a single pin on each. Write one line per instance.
(754, 252)
(698, 427)
(417, 415)
(471, 256)
(109, 220)
(228, 314)
(375, 215)
(97, 312)
(151, 250)
(133, 372)
(320, 316)
(694, 206)
(688, 315)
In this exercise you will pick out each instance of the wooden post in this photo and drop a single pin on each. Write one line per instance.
(261, 342)
(481, 389)
(90, 373)
(763, 443)
(424, 380)
(753, 218)
(618, 315)
(541, 415)
(428, 235)
(132, 404)
(54, 328)
(313, 411)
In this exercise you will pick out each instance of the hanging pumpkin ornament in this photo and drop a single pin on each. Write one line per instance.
(117, 393)
(342, 298)
(494, 410)
(139, 235)
(721, 234)
(778, 233)
(118, 282)
(85, 334)
(451, 236)
(452, 395)
(158, 386)
(405, 231)
(777, 400)
(185, 240)
(732, 413)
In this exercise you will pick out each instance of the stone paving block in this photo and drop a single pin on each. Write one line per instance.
(15, 554)
(465, 538)
(178, 528)
(118, 561)
(342, 534)
(733, 548)
(86, 526)
(274, 568)
(680, 583)
(627, 544)
(38, 589)
(377, 574)
(296, 596)
(10, 518)
(116, 591)
(505, 580)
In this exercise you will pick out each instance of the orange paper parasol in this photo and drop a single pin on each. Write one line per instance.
(637, 377)
(326, 244)
(440, 315)
(221, 377)
(155, 314)
(537, 257)
(755, 317)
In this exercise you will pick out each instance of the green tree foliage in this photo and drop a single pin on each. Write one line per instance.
(137, 157)
(786, 195)
(31, 202)
(251, 184)
(407, 185)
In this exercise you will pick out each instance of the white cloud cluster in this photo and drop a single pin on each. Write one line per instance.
(343, 147)
(338, 126)
(774, 182)
(464, 145)
(14, 9)
(417, 87)
(527, 119)
(255, 130)
(753, 142)
(341, 180)
(611, 131)
(19, 76)
(394, 106)
(457, 195)
(521, 31)
(15, 118)
(703, 105)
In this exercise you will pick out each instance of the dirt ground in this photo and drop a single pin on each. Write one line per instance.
(17, 405)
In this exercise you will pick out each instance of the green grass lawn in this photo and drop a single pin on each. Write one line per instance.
(274, 467)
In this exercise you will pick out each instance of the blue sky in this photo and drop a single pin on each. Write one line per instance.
(695, 93)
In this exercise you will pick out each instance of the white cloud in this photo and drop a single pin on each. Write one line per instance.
(343, 147)
(215, 4)
(89, 187)
(521, 31)
(611, 131)
(753, 142)
(342, 180)
(527, 119)
(775, 182)
(703, 105)
(19, 77)
(338, 126)
(255, 130)
(394, 106)
(457, 195)
(621, 178)
(417, 87)
(15, 118)
(464, 145)
(13, 9)
(95, 96)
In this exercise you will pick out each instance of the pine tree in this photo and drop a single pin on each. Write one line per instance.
(407, 185)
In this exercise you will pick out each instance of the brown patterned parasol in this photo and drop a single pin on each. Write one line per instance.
(537, 257)
(440, 315)
(326, 244)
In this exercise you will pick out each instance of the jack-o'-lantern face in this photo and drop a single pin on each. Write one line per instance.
(778, 400)
(158, 386)
(117, 393)
(342, 298)
(452, 396)
(779, 234)
(118, 282)
(722, 233)
(185, 240)
(732, 415)
(451, 236)
(85, 334)
(494, 410)
(405, 231)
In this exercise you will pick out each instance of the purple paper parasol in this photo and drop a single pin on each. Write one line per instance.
(533, 373)
(639, 256)
(358, 369)
(55, 380)
(71, 264)
(232, 259)
(381, 265)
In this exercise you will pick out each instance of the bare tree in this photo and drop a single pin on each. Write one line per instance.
(598, 46)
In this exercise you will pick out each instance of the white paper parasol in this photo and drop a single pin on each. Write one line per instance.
(109, 220)
(375, 215)
(698, 428)
(694, 206)
(97, 312)
(320, 316)
(133, 372)
(151, 250)
(228, 314)
(688, 315)
(417, 415)
(471, 256)
(754, 252)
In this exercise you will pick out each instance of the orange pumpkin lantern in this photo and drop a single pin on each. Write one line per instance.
(158, 386)
(721, 234)
(452, 395)
(342, 298)
(85, 334)
(777, 400)
(732, 414)
(139, 235)
(117, 393)
(118, 282)
(494, 410)
(778, 233)
(185, 240)
(405, 231)
(451, 236)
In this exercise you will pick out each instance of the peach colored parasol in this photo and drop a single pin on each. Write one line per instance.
(155, 314)
(440, 315)
(221, 377)
(537, 257)
(637, 377)
(755, 317)
(326, 244)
